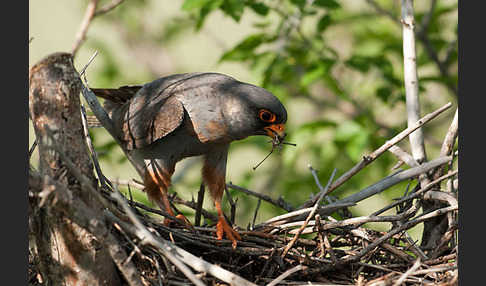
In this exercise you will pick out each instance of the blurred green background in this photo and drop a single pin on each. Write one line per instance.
(336, 65)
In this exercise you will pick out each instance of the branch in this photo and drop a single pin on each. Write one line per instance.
(394, 179)
(147, 238)
(285, 275)
(424, 39)
(417, 193)
(382, 11)
(429, 49)
(176, 254)
(99, 112)
(370, 158)
(311, 214)
(407, 273)
(108, 7)
(403, 156)
(411, 80)
(300, 214)
(396, 230)
(279, 203)
(83, 29)
(449, 140)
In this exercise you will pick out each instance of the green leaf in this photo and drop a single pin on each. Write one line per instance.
(353, 137)
(323, 23)
(318, 124)
(347, 130)
(360, 63)
(244, 49)
(203, 7)
(189, 5)
(233, 8)
(384, 93)
(299, 3)
(259, 8)
(330, 4)
(312, 75)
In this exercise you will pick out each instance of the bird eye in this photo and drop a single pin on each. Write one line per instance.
(266, 116)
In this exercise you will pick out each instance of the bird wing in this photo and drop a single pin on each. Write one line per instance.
(117, 95)
(200, 95)
(157, 109)
(152, 113)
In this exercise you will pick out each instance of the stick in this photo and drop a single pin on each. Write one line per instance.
(177, 253)
(370, 158)
(83, 70)
(255, 214)
(83, 29)
(285, 275)
(394, 179)
(411, 80)
(449, 140)
(94, 155)
(403, 156)
(394, 231)
(279, 203)
(32, 148)
(407, 273)
(318, 183)
(296, 215)
(108, 7)
(417, 193)
(200, 199)
(232, 205)
(147, 238)
(311, 214)
(99, 112)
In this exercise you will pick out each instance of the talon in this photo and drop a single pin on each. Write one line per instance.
(222, 227)
(181, 220)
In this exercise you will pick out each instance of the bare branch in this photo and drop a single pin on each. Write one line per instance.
(370, 158)
(396, 230)
(449, 141)
(108, 7)
(311, 214)
(83, 29)
(411, 80)
(417, 193)
(408, 273)
(403, 156)
(285, 275)
(200, 199)
(175, 254)
(394, 179)
(279, 203)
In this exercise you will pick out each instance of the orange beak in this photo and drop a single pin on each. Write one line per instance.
(276, 129)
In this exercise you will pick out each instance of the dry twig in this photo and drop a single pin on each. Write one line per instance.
(375, 154)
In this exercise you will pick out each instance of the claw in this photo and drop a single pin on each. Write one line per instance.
(181, 220)
(222, 227)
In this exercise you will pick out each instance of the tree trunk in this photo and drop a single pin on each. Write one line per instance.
(65, 218)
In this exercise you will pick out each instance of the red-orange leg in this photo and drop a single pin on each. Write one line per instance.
(213, 172)
(157, 182)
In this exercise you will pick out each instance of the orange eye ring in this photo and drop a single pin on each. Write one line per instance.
(266, 116)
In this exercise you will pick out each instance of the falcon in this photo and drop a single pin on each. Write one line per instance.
(162, 122)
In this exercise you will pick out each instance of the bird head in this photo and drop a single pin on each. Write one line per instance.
(252, 110)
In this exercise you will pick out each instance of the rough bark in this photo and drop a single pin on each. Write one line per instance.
(66, 242)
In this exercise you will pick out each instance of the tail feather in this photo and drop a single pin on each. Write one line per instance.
(117, 95)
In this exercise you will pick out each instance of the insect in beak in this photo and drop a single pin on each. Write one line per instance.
(277, 142)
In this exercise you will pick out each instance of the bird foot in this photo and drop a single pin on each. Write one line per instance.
(222, 227)
(181, 220)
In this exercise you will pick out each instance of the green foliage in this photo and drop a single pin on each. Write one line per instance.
(297, 60)
(343, 61)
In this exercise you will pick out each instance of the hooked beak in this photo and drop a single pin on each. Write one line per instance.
(276, 131)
